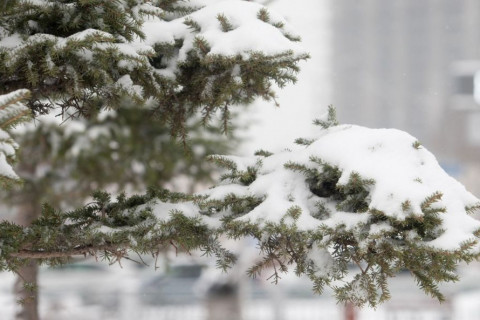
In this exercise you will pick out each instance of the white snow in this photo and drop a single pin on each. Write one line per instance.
(322, 261)
(249, 35)
(163, 210)
(127, 84)
(400, 171)
(5, 168)
(11, 107)
(90, 33)
(10, 41)
(222, 191)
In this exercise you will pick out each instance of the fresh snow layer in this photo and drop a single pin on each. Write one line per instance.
(401, 172)
(249, 35)
(249, 32)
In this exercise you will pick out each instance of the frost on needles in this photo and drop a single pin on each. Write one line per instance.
(349, 208)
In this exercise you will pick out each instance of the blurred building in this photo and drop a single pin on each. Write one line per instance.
(396, 64)
(461, 125)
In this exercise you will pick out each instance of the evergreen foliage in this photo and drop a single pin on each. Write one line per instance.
(305, 213)
(63, 162)
(326, 208)
(84, 56)
(12, 112)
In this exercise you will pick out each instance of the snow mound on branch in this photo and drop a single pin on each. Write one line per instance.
(402, 171)
(249, 33)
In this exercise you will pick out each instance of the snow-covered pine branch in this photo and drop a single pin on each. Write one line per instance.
(174, 56)
(349, 207)
(12, 112)
(373, 198)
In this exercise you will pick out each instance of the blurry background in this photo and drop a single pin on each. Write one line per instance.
(412, 65)
(407, 64)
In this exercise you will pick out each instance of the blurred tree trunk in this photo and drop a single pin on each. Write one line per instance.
(225, 304)
(25, 288)
(350, 311)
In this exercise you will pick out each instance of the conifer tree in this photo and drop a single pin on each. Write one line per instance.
(83, 56)
(63, 163)
(350, 196)
(315, 208)
(80, 57)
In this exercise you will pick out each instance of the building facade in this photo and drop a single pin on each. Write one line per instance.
(392, 64)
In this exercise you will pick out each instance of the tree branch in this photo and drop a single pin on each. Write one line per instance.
(85, 250)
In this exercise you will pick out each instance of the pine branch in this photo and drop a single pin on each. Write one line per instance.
(83, 251)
